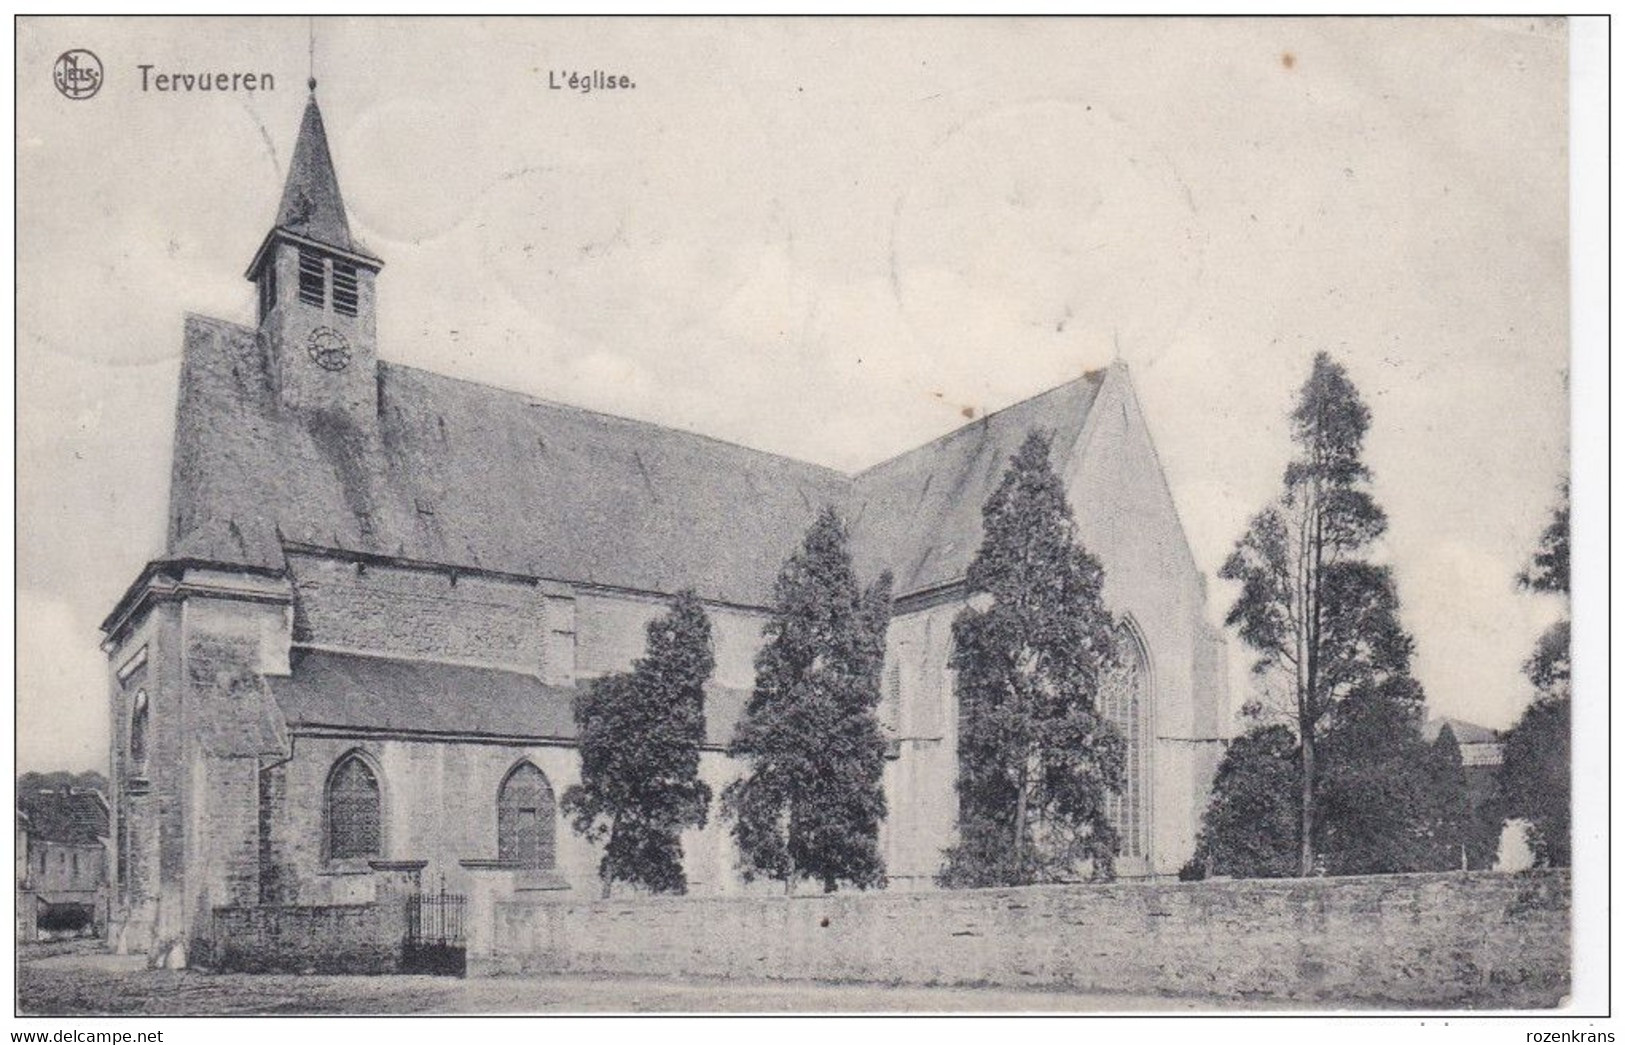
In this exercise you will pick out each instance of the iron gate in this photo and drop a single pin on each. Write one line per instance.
(434, 934)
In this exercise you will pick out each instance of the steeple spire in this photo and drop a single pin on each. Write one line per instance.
(311, 204)
(317, 288)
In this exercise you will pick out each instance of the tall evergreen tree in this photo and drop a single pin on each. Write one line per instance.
(1037, 760)
(640, 736)
(1454, 829)
(811, 802)
(1533, 783)
(1321, 617)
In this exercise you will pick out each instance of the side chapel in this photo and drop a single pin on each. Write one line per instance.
(351, 669)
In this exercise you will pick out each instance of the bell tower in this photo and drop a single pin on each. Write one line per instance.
(316, 288)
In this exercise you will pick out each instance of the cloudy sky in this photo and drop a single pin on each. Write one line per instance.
(828, 239)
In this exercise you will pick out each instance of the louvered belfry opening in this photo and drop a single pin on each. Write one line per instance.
(525, 819)
(312, 279)
(353, 810)
(346, 295)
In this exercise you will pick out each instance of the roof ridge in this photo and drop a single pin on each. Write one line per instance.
(1096, 375)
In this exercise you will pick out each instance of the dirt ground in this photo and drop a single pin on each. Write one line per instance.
(103, 984)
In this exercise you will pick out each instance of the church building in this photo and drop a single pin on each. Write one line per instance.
(350, 672)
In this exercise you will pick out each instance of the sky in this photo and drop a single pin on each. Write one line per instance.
(829, 239)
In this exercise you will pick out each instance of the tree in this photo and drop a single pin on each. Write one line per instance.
(1037, 760)
(1533, 782)
(1250, 827)
(1377, 812)
(1455, 841)
(640, 736)
(811, 802)
(1321, 617)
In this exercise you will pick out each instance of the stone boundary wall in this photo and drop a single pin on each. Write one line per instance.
(1457, 940)
(359, 938)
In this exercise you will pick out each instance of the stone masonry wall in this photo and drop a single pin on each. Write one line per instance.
(352, 938)
(1446, 940)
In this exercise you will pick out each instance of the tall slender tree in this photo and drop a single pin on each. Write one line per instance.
(1037, 760)
(1320, 616)
(640, 737)
(811, 802)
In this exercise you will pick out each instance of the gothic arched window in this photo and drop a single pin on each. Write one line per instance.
(138, 728)
(1126, 703)
(354, 810)
(525, 813)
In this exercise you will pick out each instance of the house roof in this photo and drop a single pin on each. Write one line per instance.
(350, 692)
(74, 816)
(466, 475)
(1465, 732)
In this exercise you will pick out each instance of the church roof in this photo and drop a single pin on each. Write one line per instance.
(354, 693)
(466, 475)
(919, 514)
(311, 204)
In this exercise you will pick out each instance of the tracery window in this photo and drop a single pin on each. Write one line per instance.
(1126, 703)
(525, 818)
(354, 810)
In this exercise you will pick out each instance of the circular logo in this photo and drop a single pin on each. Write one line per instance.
(77, 74)
(328, 349)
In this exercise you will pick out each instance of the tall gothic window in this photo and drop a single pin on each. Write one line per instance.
(138, 729)
(525, 813)
(354, 811)
(1126, 702)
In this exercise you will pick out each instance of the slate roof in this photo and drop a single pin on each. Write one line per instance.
(74, 817)
(920, 514)
(463, 474)
(349, 692)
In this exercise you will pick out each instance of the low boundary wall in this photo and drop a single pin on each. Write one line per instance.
(1458, 940)
(357, 938)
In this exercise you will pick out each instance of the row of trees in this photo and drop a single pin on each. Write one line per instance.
(1332, 776)
(810, 803)
(1037, 759)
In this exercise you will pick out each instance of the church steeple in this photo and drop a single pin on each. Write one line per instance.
(311, 204)
(316, 287)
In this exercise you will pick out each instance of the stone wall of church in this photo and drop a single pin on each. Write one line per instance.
(556, 631)
(429, 614)
(439, 806)
(1127, 518)
(922, 717)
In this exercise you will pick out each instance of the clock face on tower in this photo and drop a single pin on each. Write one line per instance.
(328, 349)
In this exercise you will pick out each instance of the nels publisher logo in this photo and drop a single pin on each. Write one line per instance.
(77, 74)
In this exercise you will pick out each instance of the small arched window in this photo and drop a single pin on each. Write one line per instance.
(525, 814)
(353, 810)
(138, 728)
